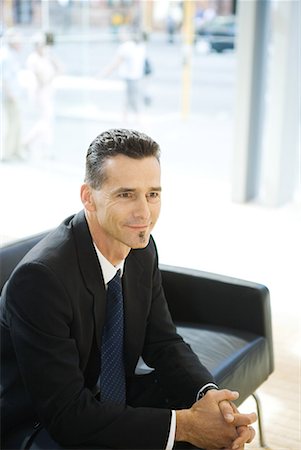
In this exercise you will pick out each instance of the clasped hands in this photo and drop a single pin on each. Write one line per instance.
(214, 422)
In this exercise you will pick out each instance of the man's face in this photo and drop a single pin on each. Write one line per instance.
(127, 205)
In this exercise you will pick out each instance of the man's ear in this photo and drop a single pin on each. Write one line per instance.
(87, 197)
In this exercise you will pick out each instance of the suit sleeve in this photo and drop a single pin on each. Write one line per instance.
(40, 316)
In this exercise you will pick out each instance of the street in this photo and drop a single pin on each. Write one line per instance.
(213, 75)
(86, 105)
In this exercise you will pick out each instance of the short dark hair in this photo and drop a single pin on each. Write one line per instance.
(117, 141)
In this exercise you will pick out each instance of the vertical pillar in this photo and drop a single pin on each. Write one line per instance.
(188, 36)
(7, 12)
(251, 57)
(282, 127)
(147, 16)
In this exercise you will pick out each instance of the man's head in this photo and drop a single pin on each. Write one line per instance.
(122, 191)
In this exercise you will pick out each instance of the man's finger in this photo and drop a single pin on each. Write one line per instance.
(227, 410)
(223, 394)
(252, 435)
(244, 419)
(246, 435)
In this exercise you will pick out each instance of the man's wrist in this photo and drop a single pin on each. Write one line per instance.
(181, 425)
(203, 391)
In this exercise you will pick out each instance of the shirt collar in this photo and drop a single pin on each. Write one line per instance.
(108, 270)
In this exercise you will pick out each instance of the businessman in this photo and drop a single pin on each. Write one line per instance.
(85, 309)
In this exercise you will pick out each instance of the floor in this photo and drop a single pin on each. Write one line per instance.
(247, 241)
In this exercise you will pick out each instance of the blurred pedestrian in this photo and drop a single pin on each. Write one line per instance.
(44, 68)
(173, 21)
(11, 96)
(130, 62)
(147, 72)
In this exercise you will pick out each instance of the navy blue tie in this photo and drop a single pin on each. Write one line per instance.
(112, 377)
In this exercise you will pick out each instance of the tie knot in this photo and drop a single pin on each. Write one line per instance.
(116, 280)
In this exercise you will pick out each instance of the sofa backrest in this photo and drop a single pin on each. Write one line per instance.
(11, 254)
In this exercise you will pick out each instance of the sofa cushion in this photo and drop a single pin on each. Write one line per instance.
(238, 360)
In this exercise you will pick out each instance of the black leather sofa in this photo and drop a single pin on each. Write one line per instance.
(227, 321)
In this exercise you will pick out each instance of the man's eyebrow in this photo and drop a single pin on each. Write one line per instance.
(159, 189)
(122, 189)
(128, 189)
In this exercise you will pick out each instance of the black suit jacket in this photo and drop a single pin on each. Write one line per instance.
(52, 315)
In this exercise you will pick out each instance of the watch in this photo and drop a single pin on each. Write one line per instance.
(203, 391)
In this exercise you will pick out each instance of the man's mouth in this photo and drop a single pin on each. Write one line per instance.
(139, 227)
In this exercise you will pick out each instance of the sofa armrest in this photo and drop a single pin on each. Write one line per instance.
(200, 298)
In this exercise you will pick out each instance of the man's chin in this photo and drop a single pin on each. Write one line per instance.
(142, 241)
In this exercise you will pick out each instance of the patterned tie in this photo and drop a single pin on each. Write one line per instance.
(112, 377)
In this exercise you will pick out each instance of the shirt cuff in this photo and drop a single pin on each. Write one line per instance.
(205, 389)
(172, 431)
(173, 420)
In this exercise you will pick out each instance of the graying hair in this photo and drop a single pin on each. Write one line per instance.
(110, 143)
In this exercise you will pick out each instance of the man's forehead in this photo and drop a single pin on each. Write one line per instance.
(124, 175)
(123, 166)
(120, 158)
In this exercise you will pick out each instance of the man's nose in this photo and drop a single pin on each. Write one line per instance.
(142, 209)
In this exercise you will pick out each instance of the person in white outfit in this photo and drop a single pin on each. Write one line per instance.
(11, 96)
(43, 68)
(130, 62)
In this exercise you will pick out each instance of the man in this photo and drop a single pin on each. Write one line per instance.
(11, 93)
(70, 374)
(130, 62)
(44, 68)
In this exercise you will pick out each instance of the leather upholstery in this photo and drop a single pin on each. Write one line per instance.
(227, 322)
(12, 253)
(238, 360)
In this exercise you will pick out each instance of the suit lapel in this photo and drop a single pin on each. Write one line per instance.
(136, 300)
(91, 270)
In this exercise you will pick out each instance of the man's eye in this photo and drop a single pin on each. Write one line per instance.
(125, 195)
(153, 196)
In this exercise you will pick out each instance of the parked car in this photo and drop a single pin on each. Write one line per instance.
(220, 33)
